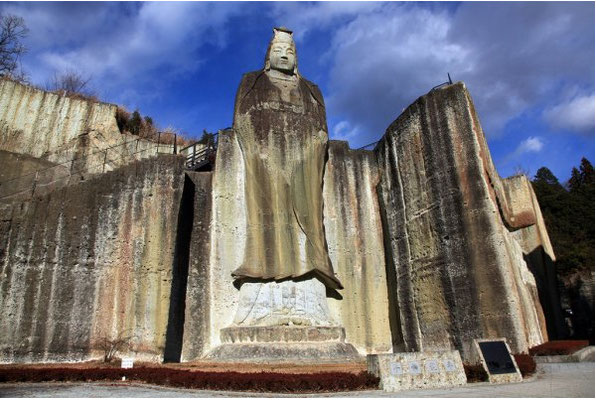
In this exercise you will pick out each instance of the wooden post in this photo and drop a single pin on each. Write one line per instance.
(175, 143)
(158, 139)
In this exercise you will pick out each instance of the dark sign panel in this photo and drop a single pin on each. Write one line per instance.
(497, 358)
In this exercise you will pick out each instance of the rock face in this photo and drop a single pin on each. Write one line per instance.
(60, 129)
(460, 273)
(433, 249)
(197, 322)
(354, 233)
(538, 251)
(90, 262)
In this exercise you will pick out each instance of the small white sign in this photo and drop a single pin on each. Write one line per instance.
(449, 365)
(127, 363)
(395, 368)
(432, 366)
(414, 367)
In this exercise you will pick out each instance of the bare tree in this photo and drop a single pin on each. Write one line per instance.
(112, 345)
(12, 31)
(520, 170)
(70, 82)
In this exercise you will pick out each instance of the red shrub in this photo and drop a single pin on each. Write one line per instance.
(526, 364)
(235, 381)
(558, 347)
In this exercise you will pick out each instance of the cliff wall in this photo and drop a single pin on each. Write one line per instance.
(538, 252)
(197, 320)
(89, 262)
(460, 273)
(228, 236)
(354, 234)
(61, 129)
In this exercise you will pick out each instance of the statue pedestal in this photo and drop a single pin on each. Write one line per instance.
(280, 344)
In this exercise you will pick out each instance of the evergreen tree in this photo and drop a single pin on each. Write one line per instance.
(569, 218)
(575, 181)
(134, 123)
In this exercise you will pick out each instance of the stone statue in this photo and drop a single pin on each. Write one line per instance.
(280, 123)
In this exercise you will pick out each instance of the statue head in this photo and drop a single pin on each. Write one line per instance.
(281, 54)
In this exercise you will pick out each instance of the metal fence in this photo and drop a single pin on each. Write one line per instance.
(80, 168)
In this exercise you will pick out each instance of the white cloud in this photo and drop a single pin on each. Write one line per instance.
(118, 43)
(512, 56)
(531, 144)
(384, 60)
(575, 115)
(303, 18)
(343, 130)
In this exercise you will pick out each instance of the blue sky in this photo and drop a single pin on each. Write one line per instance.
(529, 66)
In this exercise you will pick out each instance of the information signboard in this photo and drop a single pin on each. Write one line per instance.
(127, 363)
(497, 357)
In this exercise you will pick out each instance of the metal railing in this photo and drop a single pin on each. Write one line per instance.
(82, 167)
(199, 155)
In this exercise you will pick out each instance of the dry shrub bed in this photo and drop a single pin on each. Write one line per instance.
(526, 364)
(558, 347)
(475, 373)
(234, 381)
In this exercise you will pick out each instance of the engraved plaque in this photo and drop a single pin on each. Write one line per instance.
(432, 366)
(414, 367)
(449, 365)
(395, 368)
(497, 357)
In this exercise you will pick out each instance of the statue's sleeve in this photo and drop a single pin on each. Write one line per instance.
(246, 85)
(316, 92)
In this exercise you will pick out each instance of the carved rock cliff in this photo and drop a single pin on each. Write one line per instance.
(89, 262)
(460, 273)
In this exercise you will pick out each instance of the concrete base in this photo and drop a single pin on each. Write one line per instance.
(282, 344)
(404, 371)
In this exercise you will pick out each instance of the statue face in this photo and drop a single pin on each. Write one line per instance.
(282, 57)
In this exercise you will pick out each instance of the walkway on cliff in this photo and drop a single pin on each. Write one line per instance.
(551, 380)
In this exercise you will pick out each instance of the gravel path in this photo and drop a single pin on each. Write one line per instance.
(552, 380)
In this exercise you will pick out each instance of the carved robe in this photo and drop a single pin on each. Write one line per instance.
(282, 131)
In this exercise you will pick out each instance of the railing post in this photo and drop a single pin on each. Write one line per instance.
(194, 151)
(158, 139)
(105, 155)
(175, 143)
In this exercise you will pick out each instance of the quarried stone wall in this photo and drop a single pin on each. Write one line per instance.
(228, 236)
(91, 261)
(538, 252)
(354, 234)
(61, 129)
(460, 274)
(197, 306)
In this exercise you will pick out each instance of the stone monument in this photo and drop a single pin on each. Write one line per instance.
(286, 273)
